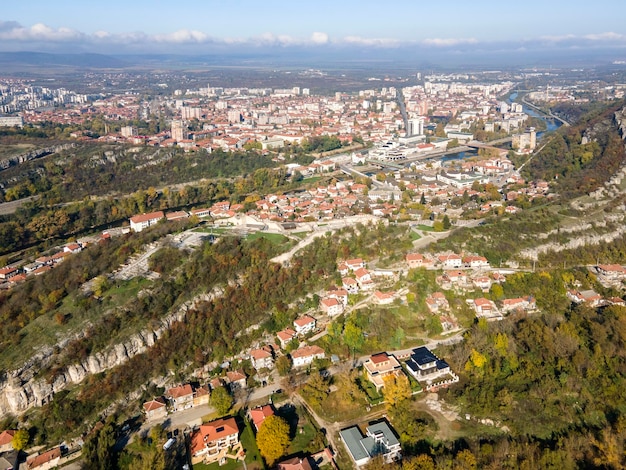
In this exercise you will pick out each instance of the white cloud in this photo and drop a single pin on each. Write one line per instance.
(13, 34)
(12, 31)
(448, 42)
(379, 42)
(183, 36)
(319, 38)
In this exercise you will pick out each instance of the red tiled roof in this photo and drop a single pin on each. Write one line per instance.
(137, 219)
(180, 391)
(6, 436)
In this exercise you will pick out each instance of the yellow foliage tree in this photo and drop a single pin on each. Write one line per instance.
(273, 438)
(396, 389)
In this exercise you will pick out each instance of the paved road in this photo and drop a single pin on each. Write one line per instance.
(10, 207)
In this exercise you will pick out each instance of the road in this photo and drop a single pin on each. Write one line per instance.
(10, 207)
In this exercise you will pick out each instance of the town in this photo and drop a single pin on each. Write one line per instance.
(348, 371)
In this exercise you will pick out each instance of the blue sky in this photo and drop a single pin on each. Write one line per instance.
(199, 25)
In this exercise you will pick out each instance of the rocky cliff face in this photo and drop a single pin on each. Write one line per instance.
(21, 389)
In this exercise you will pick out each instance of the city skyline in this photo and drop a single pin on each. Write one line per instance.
(448, 28)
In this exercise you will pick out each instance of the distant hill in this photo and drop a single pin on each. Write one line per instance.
(17, 60)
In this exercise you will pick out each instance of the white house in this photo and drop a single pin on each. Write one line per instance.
(304, 325)
(331, 306)
(450, 261)
(262, 358)
(306, 354)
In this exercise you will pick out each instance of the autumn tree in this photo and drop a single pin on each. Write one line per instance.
(283, 366)
(396, 389)
(221, 400)
(273, 438)
(20, 439)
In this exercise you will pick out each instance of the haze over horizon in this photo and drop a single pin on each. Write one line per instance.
(454, 31)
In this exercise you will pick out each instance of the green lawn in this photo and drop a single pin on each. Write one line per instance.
(276, 238)
(414, 236)
(425, 228)
(301, 235)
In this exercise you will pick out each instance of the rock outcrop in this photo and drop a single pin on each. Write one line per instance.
(22, 389)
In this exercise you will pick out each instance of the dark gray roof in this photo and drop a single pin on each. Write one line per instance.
(423, 356)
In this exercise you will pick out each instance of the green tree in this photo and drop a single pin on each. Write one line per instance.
(221, 400)
(283, 366)
(20, 439)
(273, 438)
(446, 222)
(353, 335)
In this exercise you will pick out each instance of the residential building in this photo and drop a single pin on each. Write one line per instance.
(306, 354)
(8, 272)
(340, 294)
(429, 370)
(475, 262)
(384, 298)
(350, 285)
(155, 409)
(417, 260)
(519, 304)
(143, 221)
(237, 379)
(45, 461)
(379, 366)
(612, 271)
(262, 358)
(257, 415)
(380, 439)
(304, 325)
(6, 439)
(9, 460)
(211, 441)
(285, 336)
(201, 396)
(181, 397)
(296, 463)
(354, 264)
(331, 306)
(437, 301)
(590, 297)
(450, 261)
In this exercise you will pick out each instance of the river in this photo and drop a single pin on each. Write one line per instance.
(552, 124)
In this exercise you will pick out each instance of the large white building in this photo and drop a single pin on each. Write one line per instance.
(142, 221)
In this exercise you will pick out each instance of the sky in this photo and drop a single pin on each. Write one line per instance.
(206, 26)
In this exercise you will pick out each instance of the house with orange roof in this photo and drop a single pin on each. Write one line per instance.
(211, 441)
(236, 379)
(181, 397)
(8, 272)
(380, 366)
(262, 358)
(155, 409)
(306, 354)
(296, 463)
(6, 439)
(257, 415)
(285, 336)
(340, 294)
(384, 298)
(331, 306)
(45, 461)
(304, 325)
(201, 396)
